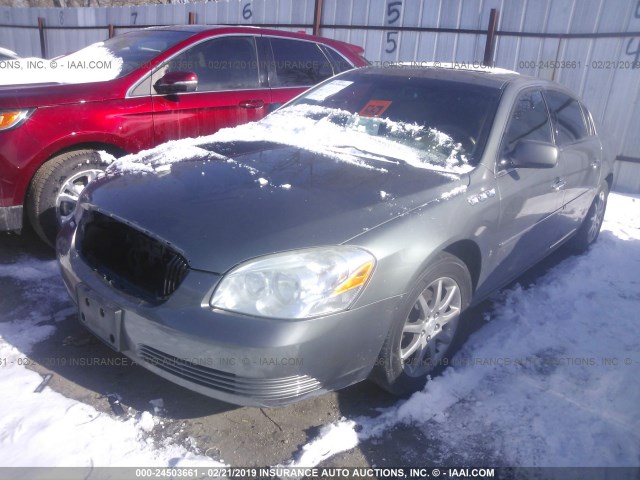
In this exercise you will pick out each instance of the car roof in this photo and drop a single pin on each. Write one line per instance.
(250, 28)
(489, 77)
(203, 29)
(196, 28)
(8, 53)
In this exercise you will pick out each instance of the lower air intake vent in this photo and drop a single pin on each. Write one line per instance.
(129, 259)
(258, 388)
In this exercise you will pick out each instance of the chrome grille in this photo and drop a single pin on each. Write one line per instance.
(174, 274)
(129, 259)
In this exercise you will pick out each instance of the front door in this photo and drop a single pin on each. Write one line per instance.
(230, 91)
(530, 198)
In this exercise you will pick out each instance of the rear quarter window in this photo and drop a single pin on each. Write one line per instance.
(340, 64)
(298, 63)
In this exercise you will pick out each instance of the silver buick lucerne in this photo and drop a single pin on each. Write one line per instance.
(340, 238)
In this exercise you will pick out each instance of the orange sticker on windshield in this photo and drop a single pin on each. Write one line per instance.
(374, 108)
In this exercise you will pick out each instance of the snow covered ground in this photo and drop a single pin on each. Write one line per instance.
(551, 380)
(46, 429)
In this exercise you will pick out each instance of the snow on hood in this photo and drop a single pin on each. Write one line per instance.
(94, 63)
(159, 159)
(335, 133)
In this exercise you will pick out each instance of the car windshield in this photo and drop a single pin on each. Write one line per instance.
(431, 121)
(135, 49)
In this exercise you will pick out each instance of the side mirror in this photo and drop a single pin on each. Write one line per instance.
(533, 154)
(177, 82)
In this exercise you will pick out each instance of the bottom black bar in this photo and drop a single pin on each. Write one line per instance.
(440, 473)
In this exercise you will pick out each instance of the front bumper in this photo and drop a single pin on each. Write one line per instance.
(10, 218)
(234, 358)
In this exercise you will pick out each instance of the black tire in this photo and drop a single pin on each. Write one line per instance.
(403, 376)
(46, 208)
(588, 232)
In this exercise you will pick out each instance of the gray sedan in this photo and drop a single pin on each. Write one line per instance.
(339, 239)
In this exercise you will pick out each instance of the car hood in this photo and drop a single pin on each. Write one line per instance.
(264, 198)
(49, 94)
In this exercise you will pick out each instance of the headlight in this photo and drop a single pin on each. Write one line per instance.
(13, 118)
(298, 284)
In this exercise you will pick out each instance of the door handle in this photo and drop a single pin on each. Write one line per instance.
(595, 164)
(559, 184)
(252, 104)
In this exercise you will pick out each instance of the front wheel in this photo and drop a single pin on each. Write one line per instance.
(424, 334)
(56, 187)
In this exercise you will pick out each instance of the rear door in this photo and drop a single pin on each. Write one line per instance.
(530, 198)
(295, 66)
(231, 89)
(580, 156)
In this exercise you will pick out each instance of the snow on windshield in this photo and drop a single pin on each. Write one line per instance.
(335, 133)
(354, 138)
(94, 63)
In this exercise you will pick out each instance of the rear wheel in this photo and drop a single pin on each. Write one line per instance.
(56, 187)
(425, 332)
(588, 232)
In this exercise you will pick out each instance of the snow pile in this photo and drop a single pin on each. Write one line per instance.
(334, 438)
(94, 63)
(550, 381)
(454, 192)
(46, 429)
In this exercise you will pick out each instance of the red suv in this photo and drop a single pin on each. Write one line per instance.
(170, 83)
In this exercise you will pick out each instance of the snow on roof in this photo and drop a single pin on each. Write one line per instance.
(8, 53)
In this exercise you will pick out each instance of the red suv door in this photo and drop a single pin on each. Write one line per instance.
(230, 89)
(296, 65)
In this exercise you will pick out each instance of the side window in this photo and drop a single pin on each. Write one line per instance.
(298, 63)
(226, 63)
(339, 62)
(529, 121)
(567, 117)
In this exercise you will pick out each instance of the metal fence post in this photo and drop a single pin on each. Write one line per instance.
(317, 17)
(43, 43)
(491, 38)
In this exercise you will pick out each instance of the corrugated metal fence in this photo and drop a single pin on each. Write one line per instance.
(592, 46)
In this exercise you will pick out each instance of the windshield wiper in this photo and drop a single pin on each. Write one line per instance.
(367, 154)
